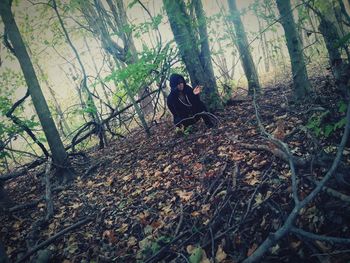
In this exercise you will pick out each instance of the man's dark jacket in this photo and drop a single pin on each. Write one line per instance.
(186, 107)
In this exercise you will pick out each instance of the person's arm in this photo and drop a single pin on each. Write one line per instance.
(193, 97)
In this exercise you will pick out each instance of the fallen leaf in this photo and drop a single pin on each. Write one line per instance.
(185, 196)
(167, 169)
(220, 254)
(252, 249)
(132, 241)
(197, 167)
(109, 235)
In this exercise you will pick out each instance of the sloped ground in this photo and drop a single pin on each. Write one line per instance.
(190, 198)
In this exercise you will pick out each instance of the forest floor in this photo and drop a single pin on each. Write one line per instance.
(211, 194)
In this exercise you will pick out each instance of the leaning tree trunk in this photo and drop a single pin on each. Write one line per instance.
(59, 154)
(196, 61)
(300, 78)
(340, 69)
(243, 48)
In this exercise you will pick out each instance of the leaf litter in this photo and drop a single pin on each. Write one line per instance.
(194, 198)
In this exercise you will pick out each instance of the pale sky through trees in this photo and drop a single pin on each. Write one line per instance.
(53, 63)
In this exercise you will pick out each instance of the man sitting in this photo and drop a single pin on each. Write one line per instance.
(185, 104)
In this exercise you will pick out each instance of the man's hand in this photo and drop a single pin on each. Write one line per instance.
(197, 90)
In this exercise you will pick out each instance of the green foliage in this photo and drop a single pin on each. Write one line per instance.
(344, 41)
(150, 246)
(138, 74)
(321, 128)
(10, 82)
(196, 255)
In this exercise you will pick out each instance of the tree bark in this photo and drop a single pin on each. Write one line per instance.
(300, 78)
(92, 109)
(59, 154)
(243, 48)
(100, 23)
(196, 59)
(340, 69)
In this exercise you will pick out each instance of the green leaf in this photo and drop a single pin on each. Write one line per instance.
(340, 124)
(196, 255)
(342, 107)
(328, 130)
(343, 41)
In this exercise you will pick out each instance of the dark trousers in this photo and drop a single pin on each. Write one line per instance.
(197, 109)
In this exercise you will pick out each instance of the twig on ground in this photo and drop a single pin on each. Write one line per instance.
(180, 221)
(53, 238)
(332, 192)
(328, 239)
(24, 206)
(273, 238)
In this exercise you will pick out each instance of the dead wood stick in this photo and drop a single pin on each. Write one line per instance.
(328, 239)
(332, 192)
(273, 238)
(181, 219)
(276, 152)
(22, 171)
(24, 206)
(48, 194)
(53, 238)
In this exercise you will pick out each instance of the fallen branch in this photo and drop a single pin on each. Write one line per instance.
(332, 192)
(328, 239)
(22, 171)
(273, 238)
(181, 219)
(24, 206)
(53, 238)
(276, 152)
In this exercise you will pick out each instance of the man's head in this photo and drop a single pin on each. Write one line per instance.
(177, 82)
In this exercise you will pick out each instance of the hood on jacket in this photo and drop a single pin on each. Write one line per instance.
(176, 79)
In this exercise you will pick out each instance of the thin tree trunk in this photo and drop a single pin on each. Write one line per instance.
(185, 37)
(243, 48)
(300, 78)
(61, 119)
(90, 101)
(59, 154)
(97, 72)
(98, 22)
(263, 46)
(339, 68)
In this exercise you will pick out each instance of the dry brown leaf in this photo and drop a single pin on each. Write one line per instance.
(185, 196)
(132, 241)
(197, 167)
(220, 254)
(167, 169)
(252, 249)
(110, 236)
(157, 173)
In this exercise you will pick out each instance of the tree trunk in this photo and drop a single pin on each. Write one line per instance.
(196, 60)
(92, 109)
(263, 46)
(243, 48)
(300, 78)
(61, 119)
(340, 69)
(98, 19)
(59, 154)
